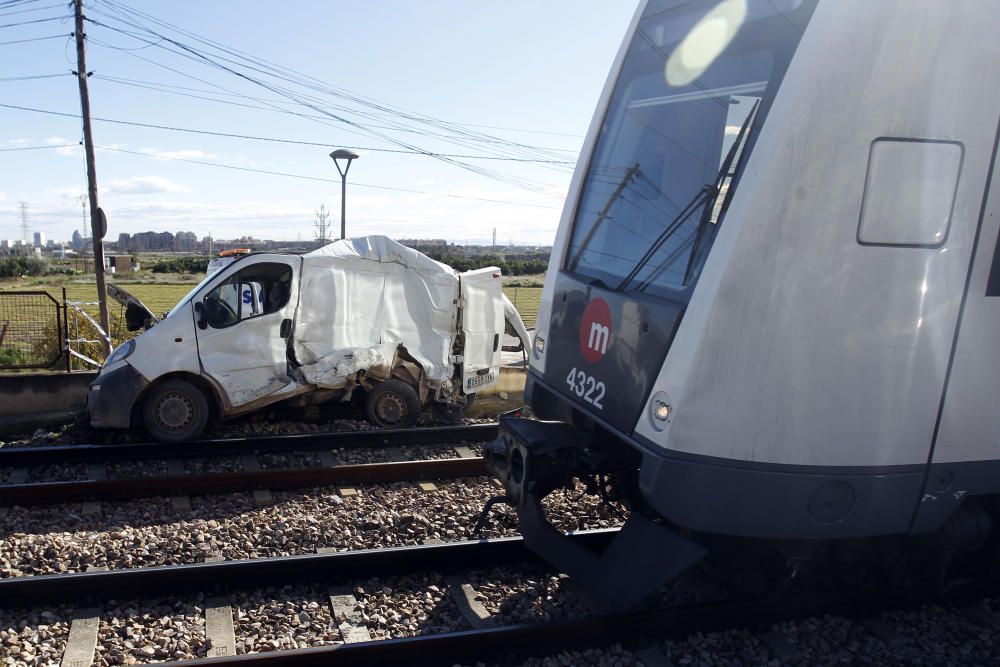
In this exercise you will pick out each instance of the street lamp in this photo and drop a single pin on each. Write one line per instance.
(343, 154)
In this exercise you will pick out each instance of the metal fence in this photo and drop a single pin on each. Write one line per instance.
(31, 326)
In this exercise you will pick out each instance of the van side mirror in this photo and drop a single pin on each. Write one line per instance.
(199, 309)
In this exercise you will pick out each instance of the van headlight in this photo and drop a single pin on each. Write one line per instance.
(121, 352)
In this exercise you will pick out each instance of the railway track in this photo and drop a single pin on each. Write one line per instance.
(480, 641)
(19, 457)
(175, 482)
(41, 493)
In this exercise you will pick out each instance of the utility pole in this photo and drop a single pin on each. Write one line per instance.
(96, 224)
(25, 225)
(494, 238)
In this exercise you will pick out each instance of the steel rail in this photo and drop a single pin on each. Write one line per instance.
(342, 566)
(536, 639)
(19, 457)
(487, 644)
(229, 482)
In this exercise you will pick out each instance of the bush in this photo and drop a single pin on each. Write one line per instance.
(12, 267)
(195, 264)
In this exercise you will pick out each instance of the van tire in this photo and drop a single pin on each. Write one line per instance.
(175, 411)
(393, 404)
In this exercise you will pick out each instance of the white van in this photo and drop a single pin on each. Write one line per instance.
(362, 314)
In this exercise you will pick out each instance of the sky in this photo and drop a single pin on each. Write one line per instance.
(517, 79)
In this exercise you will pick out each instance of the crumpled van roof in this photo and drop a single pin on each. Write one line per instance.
(381, 249)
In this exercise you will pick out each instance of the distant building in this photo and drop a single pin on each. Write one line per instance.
(77, 241)
(185, 242)
(39, 239)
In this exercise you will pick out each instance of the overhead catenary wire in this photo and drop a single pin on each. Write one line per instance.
(194, 54)
(324, 119)
(45, 20)
(318, 178)
(33, 9)
(183, 90)
(35, 148)
(31, 77)
(123, 13)
(354, 127)
(33, 39)
(255, 137)
(555, 164)
(278, 72)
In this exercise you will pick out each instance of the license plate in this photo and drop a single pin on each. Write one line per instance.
(479, 380)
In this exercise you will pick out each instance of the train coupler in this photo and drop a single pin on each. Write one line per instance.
(532, 459)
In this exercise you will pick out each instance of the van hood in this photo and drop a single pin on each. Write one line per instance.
(137, 315)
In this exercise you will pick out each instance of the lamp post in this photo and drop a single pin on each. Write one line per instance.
(350, 156)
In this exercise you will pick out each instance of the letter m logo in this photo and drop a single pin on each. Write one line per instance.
(598, 340)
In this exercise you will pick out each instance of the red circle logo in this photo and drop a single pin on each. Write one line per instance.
(595, 330)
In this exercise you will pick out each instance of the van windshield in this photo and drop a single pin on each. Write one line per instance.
(694, 89)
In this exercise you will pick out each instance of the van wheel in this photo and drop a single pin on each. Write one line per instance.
(175, 411)
(393, 404)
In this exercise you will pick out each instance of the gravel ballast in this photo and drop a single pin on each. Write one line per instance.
(151, 632)
(33, 637)
(59, 538)
(420, 604)
(286, 618)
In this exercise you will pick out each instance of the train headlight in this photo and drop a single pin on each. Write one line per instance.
(660, 410)
(539, 346)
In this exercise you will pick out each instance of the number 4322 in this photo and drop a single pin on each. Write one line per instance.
(586, 387)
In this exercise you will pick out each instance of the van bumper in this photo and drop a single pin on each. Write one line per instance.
(112, 396)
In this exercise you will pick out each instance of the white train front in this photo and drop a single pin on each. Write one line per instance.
(773, 305)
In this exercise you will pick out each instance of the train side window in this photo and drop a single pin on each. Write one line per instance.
(909, 192)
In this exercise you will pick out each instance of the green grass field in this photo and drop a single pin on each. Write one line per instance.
(161, 297)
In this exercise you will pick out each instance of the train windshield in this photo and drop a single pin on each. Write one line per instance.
(694, 89)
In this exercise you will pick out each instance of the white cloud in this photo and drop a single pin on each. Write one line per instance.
(20, 141)
(185, 154)
(142, 185)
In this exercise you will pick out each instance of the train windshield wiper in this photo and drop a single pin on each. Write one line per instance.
(703, 202)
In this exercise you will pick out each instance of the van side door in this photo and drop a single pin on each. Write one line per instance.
(244, 323)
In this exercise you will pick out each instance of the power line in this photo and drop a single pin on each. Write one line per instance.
(34, 148)
(33, 9)
(51, 18)
(317, 178)
(259, 138)
(278, 71)
(165, 88)
(33, 39)
(32, 77)
(194, 54)
(451, 138)
(302, 80)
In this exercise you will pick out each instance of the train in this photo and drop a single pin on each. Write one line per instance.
(771, 321)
